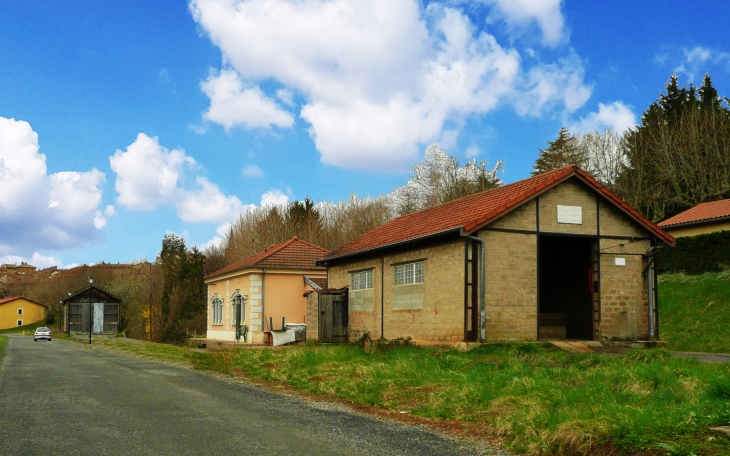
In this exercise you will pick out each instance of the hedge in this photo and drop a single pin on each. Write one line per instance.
(696, 254)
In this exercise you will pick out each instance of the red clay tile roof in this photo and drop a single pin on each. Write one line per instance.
(699, 213)
(13, 298)
(291, 254)
(470, 213)
(321, 281)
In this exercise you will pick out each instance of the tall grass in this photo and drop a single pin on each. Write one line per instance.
(2, 345)
(542, 400)
(694, 311)
(536, 398)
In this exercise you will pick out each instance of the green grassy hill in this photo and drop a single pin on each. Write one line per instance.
(694, 312)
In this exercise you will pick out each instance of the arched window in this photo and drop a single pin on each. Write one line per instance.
(239, 305)
(217, 310)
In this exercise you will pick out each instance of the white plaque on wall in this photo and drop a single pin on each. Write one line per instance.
(570, 214)
(620, 261)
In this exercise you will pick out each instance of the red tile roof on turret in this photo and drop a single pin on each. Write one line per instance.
(470, 213)
(705, 212)
(292, 254)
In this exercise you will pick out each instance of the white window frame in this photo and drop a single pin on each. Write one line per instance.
(233, 298)
(217, 311)
(20, 311)
(409, 273)
(361, 280)
(20, 322)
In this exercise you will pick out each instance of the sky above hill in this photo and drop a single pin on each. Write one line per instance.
(121, 121)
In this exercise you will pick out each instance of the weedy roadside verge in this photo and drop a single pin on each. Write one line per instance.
(533, 397)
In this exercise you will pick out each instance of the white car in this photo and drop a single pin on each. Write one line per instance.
(42, 333)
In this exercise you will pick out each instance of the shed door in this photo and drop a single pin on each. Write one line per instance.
(98, 317)
(75, 318)
(333, 316)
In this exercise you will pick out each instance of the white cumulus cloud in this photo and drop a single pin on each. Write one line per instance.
(274, 198)
(233, 105)
(149, 175)
(378, 78)
(41, 211)
(616, 117)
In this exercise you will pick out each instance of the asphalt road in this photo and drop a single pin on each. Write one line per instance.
(61, 398)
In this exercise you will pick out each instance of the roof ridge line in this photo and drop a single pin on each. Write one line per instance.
(309, 244)
(270, 251)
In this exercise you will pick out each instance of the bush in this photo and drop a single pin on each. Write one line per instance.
(50, 318)
(696, 254)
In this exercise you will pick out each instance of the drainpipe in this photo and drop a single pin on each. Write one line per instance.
(263, 309)
(650, 289)
(482, 287)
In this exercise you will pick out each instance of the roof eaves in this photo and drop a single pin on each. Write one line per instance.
(394, 244)
(695, 222)
(627, 209)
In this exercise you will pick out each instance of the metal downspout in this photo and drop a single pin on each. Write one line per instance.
(650, 290)
(263, 309)
(482, 287)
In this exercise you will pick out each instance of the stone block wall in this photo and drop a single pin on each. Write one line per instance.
(437, 317)
(511, 286)
(624, 303)
(569, 193)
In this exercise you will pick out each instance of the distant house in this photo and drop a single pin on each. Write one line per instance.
(555, 256)
(23, 268)
(701, 219)
(18, 311)
(262, 290)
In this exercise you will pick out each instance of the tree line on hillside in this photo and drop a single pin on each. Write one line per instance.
(678, 157)
(440, 178)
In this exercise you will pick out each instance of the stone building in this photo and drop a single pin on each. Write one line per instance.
(555, 256)
(260, 292)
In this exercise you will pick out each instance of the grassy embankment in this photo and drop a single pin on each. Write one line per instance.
(694, 312)
(533, 397)
(2, 345)
(30, 328)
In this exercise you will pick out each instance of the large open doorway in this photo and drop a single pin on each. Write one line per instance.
(566, 302)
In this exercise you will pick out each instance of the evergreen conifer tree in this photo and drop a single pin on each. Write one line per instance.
(565, 150)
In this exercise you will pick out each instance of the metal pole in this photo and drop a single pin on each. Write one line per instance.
(91, 312)
(482, 286)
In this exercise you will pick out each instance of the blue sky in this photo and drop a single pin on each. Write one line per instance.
(123, 121)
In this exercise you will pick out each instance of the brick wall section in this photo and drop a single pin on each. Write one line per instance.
(511, 285)
(570, 193)
(615, 222)
(522, 218)
(624, 304)
(312, 316)
(364, 320)
(442, 317)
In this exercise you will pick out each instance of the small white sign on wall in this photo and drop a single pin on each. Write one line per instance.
(570, 214)
(620, 261)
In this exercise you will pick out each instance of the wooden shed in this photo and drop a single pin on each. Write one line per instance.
(91, 309)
